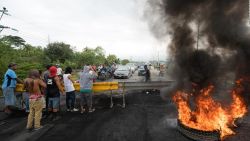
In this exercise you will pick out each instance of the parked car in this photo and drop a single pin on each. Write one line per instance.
(141, 71)
(122, 72)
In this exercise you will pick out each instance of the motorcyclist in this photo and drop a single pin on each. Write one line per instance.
(102, 73)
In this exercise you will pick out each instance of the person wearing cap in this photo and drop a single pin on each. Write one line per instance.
(54, 88)
(8, 87)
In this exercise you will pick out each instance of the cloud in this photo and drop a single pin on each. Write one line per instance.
(117, 26)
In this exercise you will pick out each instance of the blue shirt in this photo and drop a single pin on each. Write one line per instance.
(13, 77)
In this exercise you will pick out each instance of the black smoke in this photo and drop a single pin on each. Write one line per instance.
(224, 40)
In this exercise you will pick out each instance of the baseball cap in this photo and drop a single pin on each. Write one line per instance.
(12, 64)
(52, 71)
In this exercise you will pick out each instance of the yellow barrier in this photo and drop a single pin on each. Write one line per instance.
(97, 86)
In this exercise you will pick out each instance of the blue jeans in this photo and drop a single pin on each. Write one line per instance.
(9, 96)
(86, 99)
(26, 101)
(70, 100)
(54, 102)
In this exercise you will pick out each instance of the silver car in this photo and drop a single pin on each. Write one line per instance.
(122, 72)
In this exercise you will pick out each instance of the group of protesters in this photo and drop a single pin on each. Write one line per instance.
(43, 92)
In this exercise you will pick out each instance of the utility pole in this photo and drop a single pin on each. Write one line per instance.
(249, 12)
(5, 12)
(158, 58)
(198, 28)
(198, 35)
(48, 39)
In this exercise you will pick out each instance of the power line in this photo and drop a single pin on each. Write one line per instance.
(41, 36)
(29, 36)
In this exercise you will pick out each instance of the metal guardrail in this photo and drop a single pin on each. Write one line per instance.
(128, 86)
(117, 88)
(144, 85)
(97, 86)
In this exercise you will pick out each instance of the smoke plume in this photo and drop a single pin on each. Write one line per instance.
(210, 39)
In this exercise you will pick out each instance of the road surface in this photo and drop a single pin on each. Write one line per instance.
(147, 117)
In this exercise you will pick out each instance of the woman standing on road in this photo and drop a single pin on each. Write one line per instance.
(86, 85)
(70, 90)
(33, 84)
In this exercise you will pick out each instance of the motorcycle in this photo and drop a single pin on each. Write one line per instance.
(103, 75)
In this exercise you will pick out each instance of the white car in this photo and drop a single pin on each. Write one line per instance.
(122, 72)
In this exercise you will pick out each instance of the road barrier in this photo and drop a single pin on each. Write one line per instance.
(116, 88)
(97, 86)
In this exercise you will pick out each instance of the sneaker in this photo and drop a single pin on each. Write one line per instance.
(74, 110)
(36, 129)
(91, 110)
(82, 111)
(68, 110)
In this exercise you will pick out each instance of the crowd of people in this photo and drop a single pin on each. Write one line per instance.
(43, 90)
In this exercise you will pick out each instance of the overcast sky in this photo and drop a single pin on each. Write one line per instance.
(116, 25)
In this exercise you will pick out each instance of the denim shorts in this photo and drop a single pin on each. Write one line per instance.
(9, 96)
(54, 102)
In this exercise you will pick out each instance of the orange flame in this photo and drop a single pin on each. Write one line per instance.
(209, 115)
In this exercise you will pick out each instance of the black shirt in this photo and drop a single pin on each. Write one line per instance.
(52, 89)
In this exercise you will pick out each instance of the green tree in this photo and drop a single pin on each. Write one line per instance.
(59, 51)
(125, 61)
(112, 59)
(13, 41)
(99, 51)
(88, 56)
(7, 55)
(91, 56)
(99, 56)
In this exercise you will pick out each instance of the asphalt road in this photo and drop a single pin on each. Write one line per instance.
(147, 117)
